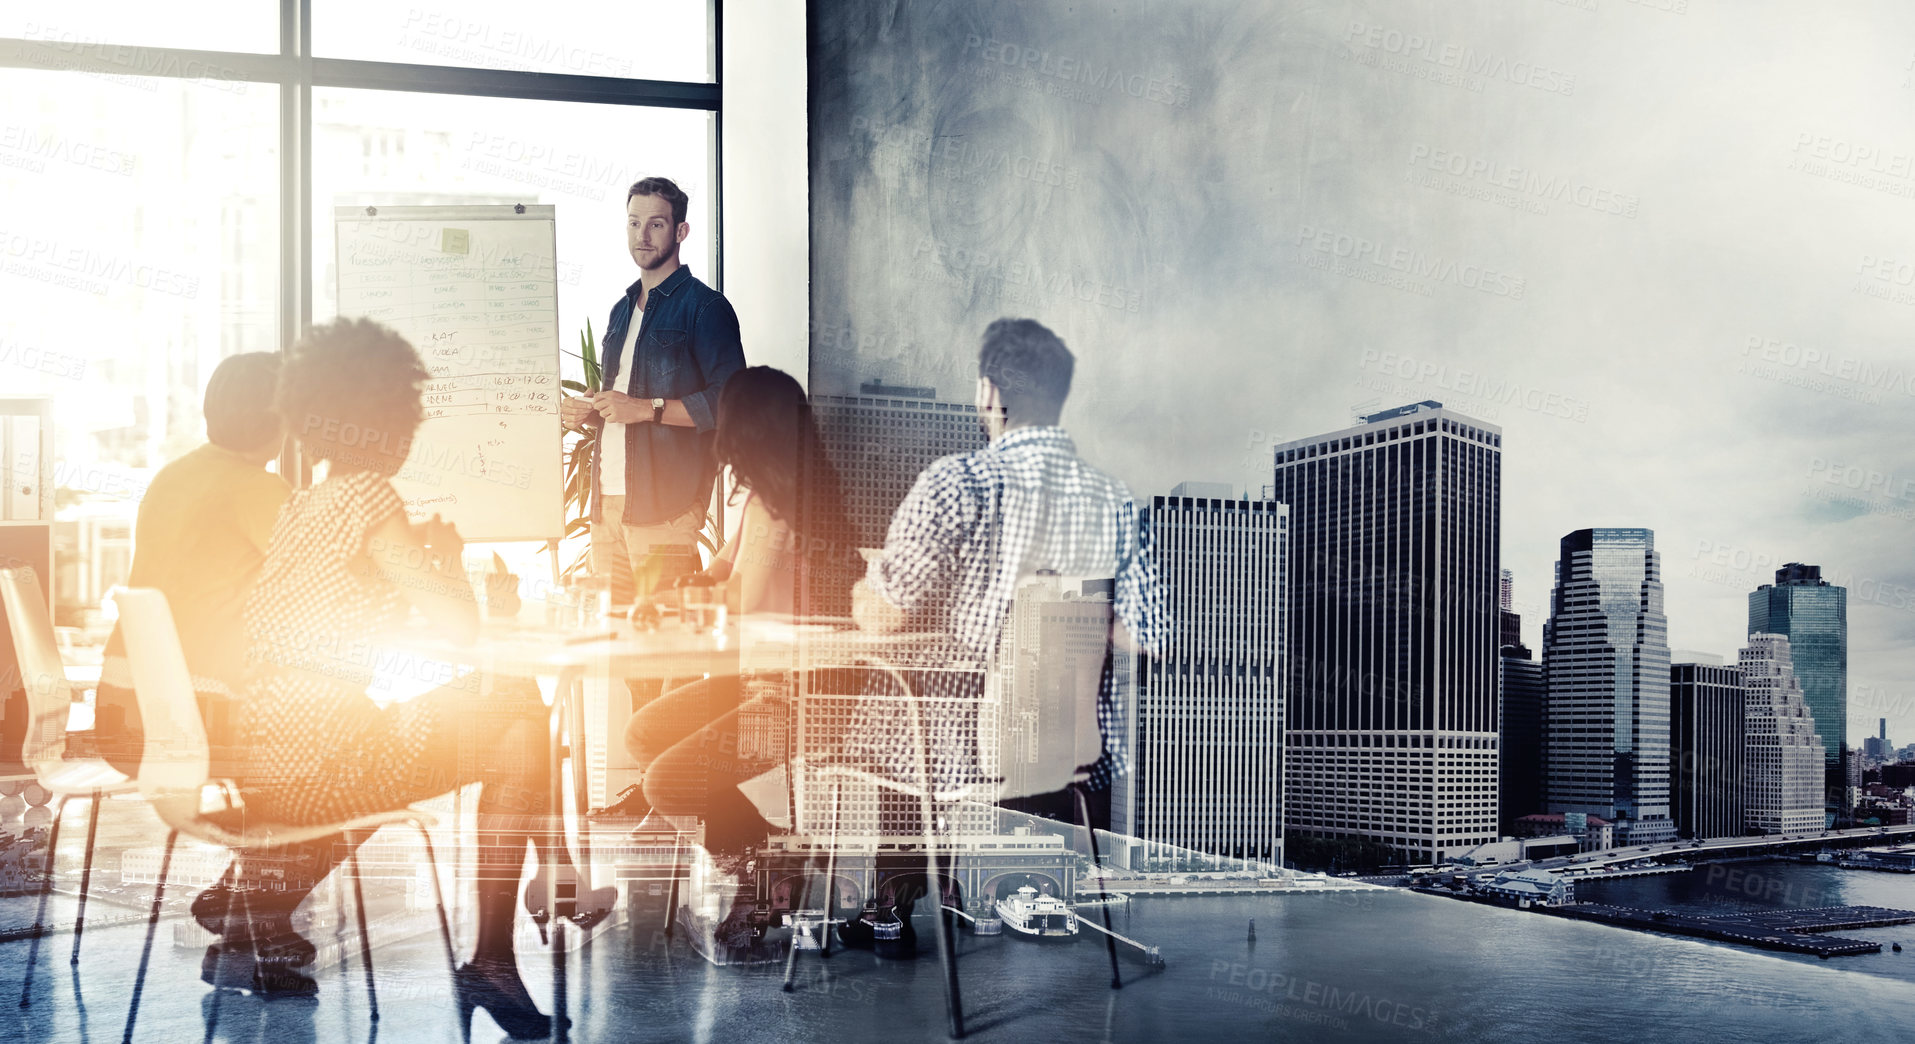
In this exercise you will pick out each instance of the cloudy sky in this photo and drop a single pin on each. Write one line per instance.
(1666, 246)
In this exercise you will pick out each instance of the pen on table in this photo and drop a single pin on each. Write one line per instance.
(584, 638)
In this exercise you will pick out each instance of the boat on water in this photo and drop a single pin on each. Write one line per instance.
(883, 929)
(1034, 916)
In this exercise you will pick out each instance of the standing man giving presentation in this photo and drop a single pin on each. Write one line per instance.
(669, 346)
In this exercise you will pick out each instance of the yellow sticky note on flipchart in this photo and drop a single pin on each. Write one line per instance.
(455, 241)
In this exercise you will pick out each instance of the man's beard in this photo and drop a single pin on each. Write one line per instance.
(658, 261)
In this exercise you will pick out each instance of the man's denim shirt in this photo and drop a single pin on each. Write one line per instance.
(687, 347)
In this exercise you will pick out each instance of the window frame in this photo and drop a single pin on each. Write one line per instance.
(297, 72)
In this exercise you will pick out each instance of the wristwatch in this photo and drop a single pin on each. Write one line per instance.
(658, 411)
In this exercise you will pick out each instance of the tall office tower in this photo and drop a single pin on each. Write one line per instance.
(1207, 724)
(1522, 740)
(1877, 746)
(1706, 735)
(1782, 757)
(1606, 663)
(1391, 706)
(1813, 613)
(880, 441)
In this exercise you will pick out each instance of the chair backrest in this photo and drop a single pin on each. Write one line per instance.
(175, 757)
(49, 697)
(1042, 689)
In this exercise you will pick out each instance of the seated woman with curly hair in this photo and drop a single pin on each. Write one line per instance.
(344, 567)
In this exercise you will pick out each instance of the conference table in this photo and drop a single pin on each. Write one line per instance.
(563, 646)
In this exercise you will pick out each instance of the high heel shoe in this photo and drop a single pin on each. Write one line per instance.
(521, 1020)
(585, 911)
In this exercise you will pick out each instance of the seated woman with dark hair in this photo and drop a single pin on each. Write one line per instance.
(789, 558)
(345, 567)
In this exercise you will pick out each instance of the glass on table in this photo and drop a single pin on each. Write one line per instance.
(587, 600)
(701, 606)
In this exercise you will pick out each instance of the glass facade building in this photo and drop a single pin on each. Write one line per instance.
(1813, 613)
(1395, 531)
(1606, 661)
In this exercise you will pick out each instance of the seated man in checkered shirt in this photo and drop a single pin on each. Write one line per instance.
(975, 526)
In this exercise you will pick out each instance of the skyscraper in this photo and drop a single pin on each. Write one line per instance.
(1520, 699)
(1522, 739)
(1395, 535)
(1208, 751)
(880, 441)
(1707, 726)
(1782, 758)
(1606, 662)
(1814, 615)
(1877, 746)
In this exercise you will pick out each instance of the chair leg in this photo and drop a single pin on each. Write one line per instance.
(86, 876)
(947, 943)
(831, 868)
(152, 926)
(439, 897)
(1110, 941)
(791, 954)
(46, 889)
(947, 946)
(237, 895)
(365, 936)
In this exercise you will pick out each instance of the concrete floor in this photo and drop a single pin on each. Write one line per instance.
(631, 981)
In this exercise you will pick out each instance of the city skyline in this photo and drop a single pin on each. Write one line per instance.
(1720, 355)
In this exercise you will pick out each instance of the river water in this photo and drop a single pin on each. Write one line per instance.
(1371, 966)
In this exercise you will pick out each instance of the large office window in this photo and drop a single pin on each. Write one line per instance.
(374, 148)
(170, 183)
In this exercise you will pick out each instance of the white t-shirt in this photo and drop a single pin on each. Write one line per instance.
(611, 444)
